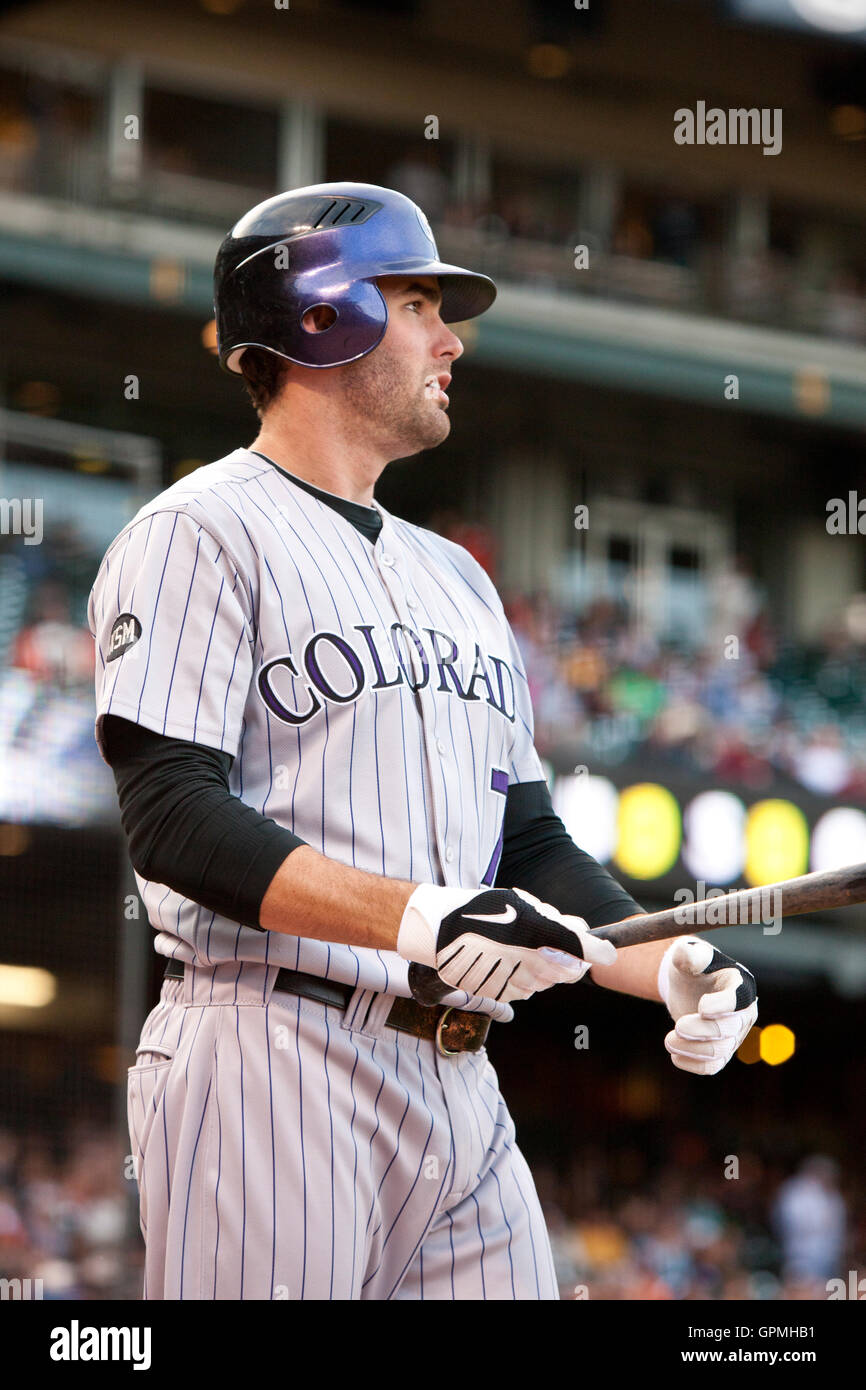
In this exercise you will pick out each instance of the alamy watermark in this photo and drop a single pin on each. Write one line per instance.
(20, 1290)
(22, 516)
(77, 1343)
(854, 1289)
(736, 126)
(846, 516)
(716, 908)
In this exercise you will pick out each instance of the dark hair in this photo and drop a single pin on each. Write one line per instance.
(264, 375)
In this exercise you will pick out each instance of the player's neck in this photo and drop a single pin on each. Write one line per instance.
(324, 459)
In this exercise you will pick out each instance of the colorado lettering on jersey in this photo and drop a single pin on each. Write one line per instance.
(363, 660)
(124, 634)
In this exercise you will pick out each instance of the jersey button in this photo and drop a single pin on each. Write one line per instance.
(449, 854)
(411, 602)
(387, 559)
(440, 747)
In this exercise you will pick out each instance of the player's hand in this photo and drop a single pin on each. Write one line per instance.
(499, 943)
(713, 1001)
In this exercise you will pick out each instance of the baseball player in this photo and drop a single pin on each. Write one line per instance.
(320, 728)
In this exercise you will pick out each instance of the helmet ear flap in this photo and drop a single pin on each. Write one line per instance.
(280, 301)
(359, 323)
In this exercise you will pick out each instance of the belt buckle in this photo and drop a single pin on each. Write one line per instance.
(440, 1046)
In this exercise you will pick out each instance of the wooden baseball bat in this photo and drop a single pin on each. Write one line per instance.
(817, 892)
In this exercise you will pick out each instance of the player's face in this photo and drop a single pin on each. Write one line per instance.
(401, 386)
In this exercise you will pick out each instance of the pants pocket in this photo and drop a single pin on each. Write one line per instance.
(145, 1097)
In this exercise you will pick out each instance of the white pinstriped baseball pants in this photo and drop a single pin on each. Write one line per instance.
(283, 1151)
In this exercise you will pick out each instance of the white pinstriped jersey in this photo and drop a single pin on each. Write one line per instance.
(372, 695)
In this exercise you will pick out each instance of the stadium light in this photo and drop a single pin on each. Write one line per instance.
(848, 122)
(777, 1044)
(26, 986)
(548, 60)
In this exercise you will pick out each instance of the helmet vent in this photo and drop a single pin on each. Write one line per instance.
(339, 212)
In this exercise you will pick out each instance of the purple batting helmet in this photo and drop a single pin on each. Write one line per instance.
(326, 244)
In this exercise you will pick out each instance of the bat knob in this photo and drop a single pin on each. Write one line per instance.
(427, 987)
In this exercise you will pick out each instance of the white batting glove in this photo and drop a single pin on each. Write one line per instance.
(499, 943)
(712, 999)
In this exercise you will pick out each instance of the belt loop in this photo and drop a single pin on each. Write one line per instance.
(367, 1012)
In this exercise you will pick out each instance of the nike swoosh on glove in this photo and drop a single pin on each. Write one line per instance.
(713, 1001)
(499, 943)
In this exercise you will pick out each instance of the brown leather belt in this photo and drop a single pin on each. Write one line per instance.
(452, 1030)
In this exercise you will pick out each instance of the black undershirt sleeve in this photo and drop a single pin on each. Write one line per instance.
(539, 855)
(184, 827)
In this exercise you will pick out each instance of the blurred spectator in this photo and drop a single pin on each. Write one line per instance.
(419, 176)
(472, 535)
(822, 763)
(19, 141)
(633, 235)
(810, 1217)
(13, 1235)
(53, 648)
(735, 604)
(845, 309)
(676, 230)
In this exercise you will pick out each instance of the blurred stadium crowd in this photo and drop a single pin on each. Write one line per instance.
(46, 683)
(744, 705)
(66, 1215)
(770, 709)
(626, 1224)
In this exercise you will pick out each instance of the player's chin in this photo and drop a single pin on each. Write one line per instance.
(426, 433)
(437, 424)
